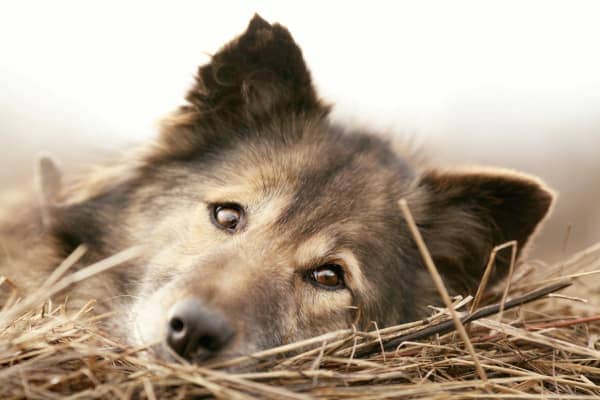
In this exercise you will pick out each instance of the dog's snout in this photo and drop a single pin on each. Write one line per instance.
(196, 332)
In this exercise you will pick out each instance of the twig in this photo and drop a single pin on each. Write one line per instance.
(562, 323)
(448, 325)
(439, 283)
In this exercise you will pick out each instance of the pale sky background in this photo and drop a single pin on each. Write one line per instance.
(507, 83)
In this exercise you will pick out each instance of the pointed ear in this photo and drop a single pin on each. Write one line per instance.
(257, 78)
(83, 209)
(48, 179)
(464, 215)
(259, 73)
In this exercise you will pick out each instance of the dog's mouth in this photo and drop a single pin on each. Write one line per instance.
(199, 355)
(196, 356)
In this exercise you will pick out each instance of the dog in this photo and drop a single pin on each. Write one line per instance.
(261, 221)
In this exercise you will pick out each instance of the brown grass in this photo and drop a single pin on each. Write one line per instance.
(546, 349)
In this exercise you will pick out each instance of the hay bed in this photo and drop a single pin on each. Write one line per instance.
(546, 349)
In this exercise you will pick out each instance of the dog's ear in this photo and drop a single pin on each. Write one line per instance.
(81, 210)
(259, 73)
(464, 215)
(258, 77)
(48, 180)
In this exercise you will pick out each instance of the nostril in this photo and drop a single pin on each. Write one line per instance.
(177, 325)
(209, 342)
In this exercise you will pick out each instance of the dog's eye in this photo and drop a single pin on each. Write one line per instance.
(329, 276)
(229, 217)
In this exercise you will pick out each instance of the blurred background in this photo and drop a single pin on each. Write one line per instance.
(508, 83)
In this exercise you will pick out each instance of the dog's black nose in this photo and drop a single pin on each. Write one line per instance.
(195, 332)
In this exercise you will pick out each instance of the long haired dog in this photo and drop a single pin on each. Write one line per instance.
(262, 222)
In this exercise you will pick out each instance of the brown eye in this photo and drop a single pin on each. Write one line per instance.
(328, 276)
(227, 216)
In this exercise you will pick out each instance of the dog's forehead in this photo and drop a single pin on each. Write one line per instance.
(338, 165)
(340, 180)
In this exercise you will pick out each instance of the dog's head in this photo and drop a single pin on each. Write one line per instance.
(265, 223)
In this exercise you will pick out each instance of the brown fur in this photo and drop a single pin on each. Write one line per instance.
(254, 132)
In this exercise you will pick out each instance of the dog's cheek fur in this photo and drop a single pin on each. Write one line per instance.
(320, 310)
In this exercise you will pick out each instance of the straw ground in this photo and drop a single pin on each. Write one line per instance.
(534, 337)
